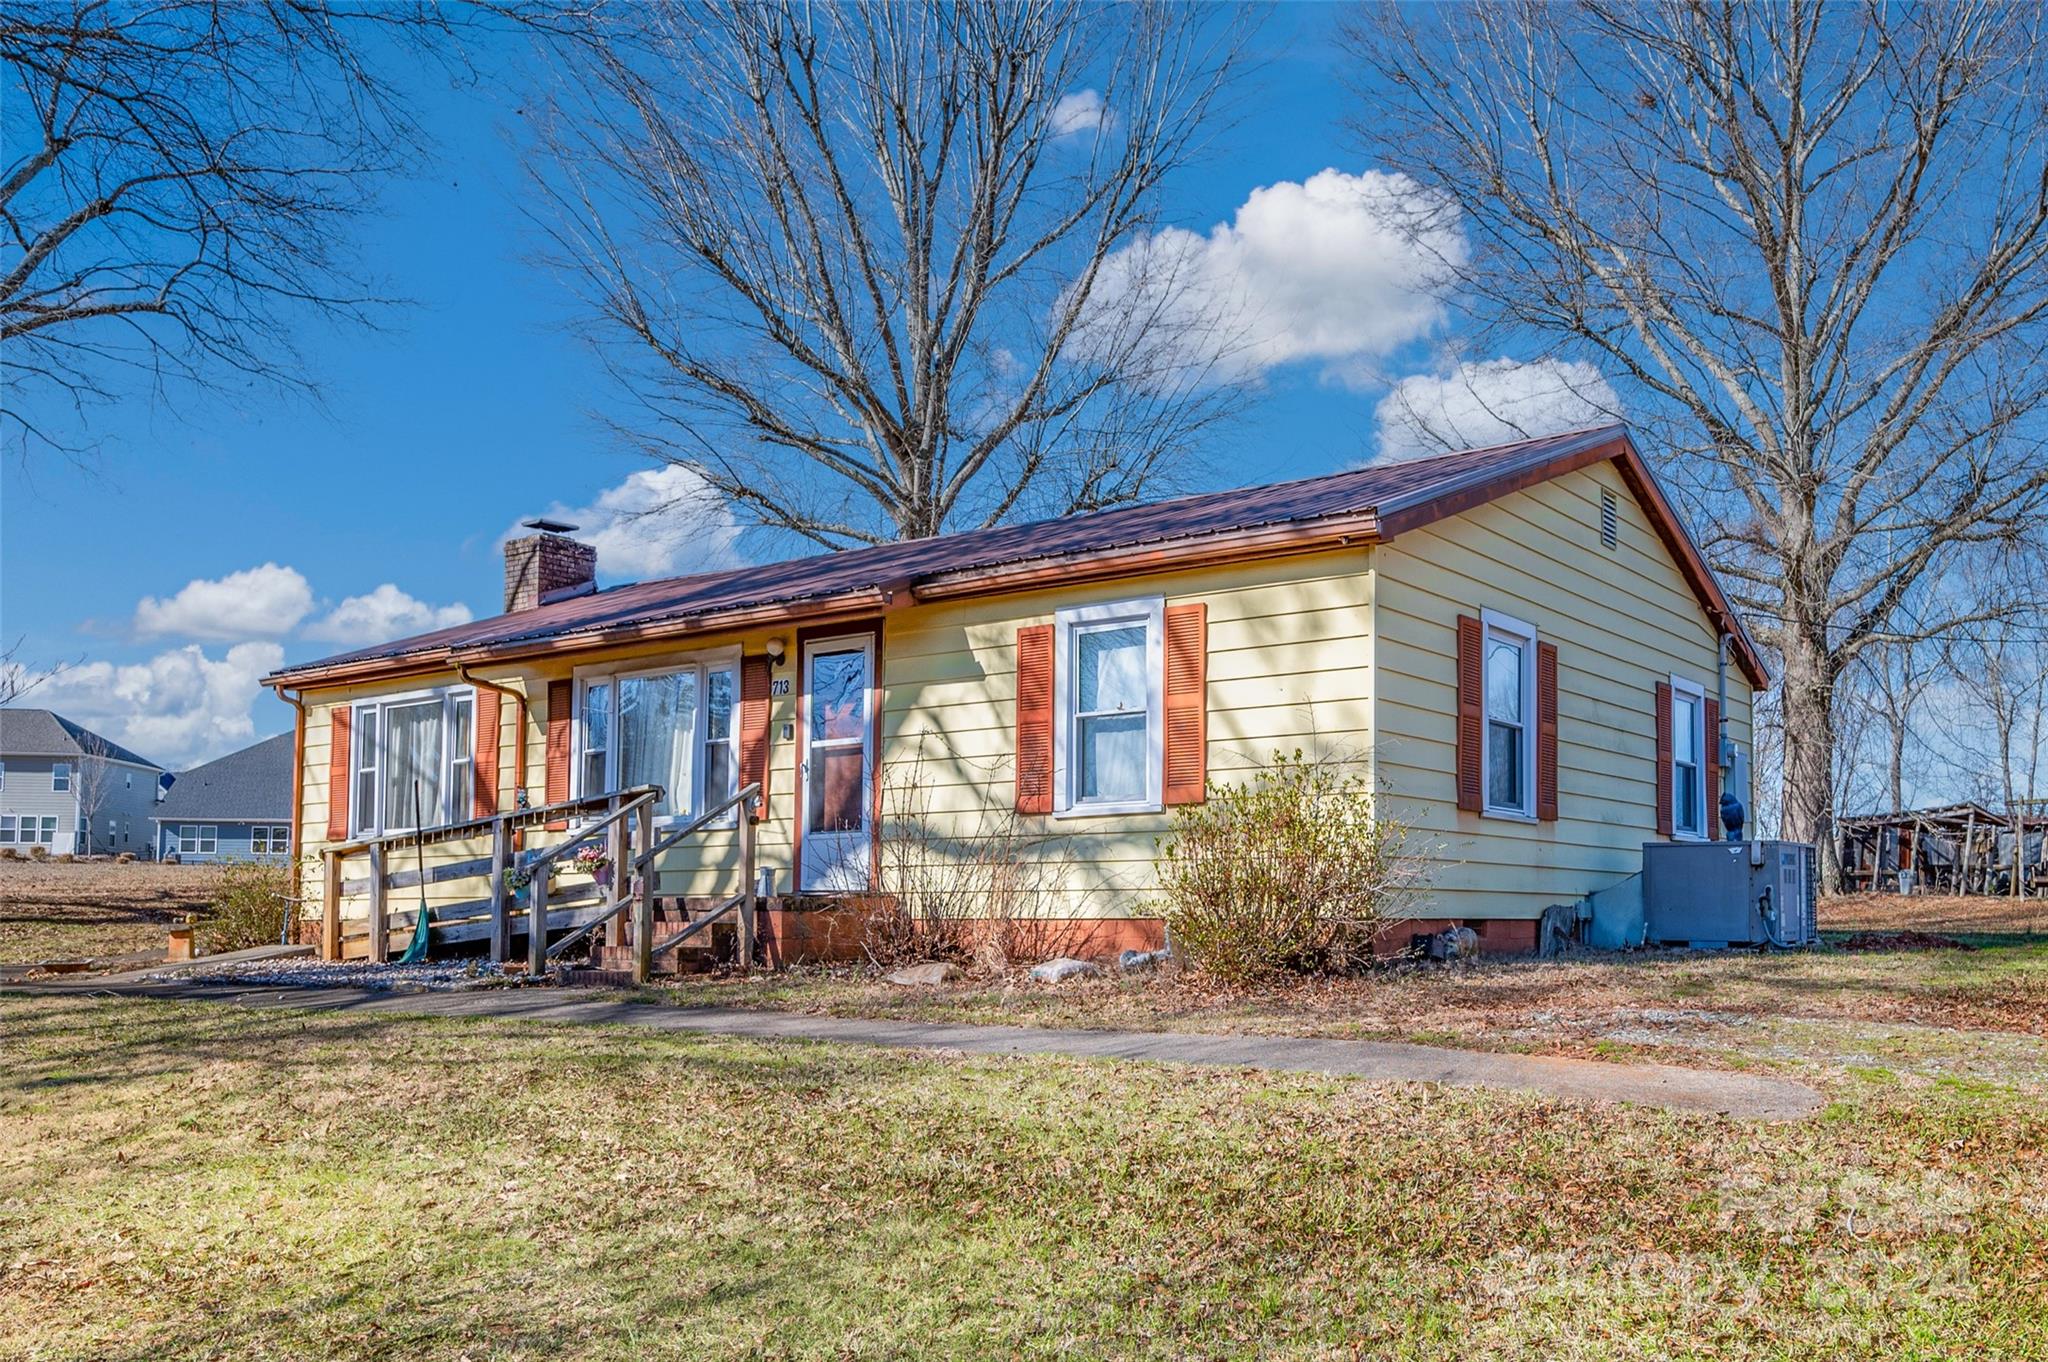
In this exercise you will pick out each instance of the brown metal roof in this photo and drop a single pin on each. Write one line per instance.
(1359, 501)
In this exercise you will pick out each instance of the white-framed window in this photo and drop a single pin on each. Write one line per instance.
(269, 840)
(6, 829)
(46, 834)
(1507, 659)
(671, 725)
(412, 750)
(60, 776)
(1688, 774)
(3, 775)
(198, 839)
(1109, 703)
(127, 780)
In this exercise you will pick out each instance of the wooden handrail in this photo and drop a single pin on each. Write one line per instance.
(647, 795)
(641, 861)
(477, 827)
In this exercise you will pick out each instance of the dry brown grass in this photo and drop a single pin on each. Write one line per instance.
(1721, 1008)
(184, 1181)
(1980, 914)
(51, 911)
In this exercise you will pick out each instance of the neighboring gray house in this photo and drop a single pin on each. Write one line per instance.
(66, 789)
(238, 808)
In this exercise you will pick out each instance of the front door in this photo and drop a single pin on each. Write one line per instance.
(837, 853)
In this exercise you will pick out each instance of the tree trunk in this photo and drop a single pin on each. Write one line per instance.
(1809, 786)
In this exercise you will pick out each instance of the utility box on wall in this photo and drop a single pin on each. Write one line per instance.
(1730, 893)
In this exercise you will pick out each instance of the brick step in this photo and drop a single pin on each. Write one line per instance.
(583, 977)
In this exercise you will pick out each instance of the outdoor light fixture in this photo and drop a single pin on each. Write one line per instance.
(776, 648)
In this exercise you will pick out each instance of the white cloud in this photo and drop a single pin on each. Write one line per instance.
(1490, 402)
(180, 708)
(261, 602)
(1081, 111)
(1342, 269)
(383, 614)
(660, 522)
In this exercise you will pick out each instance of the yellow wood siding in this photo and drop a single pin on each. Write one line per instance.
(1289, 666)
(1622, 619)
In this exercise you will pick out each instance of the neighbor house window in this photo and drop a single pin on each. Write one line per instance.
(6, 829)
(60, 776)
(1508, 655)
(198, 839)
(671, 727)
(1108, 728)
(47, 833)
(3, 775)
(269, 841)
(413, 752)
(1688, 759)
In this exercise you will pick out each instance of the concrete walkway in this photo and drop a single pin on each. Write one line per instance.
(1692, 1090)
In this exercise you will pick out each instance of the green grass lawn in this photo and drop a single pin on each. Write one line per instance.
(188, 1181)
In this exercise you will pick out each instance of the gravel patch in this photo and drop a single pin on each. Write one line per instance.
(435, 976)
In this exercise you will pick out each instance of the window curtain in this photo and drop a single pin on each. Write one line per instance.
(412, 752)
(657, 730)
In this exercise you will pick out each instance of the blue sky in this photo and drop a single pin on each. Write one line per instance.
(214, 536)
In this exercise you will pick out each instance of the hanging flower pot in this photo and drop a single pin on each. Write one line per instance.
(592, 860)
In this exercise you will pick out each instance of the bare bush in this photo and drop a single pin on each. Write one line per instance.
(251, 902)
(969, 886)
(1296, 870)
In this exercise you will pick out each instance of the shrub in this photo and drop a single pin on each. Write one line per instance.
(1292, 871)
(125, 858)
(39, 853)
(9, 854)
(250, 903)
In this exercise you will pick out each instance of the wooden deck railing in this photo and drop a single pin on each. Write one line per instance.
(623, 819)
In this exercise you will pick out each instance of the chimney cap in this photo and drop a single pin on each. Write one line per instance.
(546, 526)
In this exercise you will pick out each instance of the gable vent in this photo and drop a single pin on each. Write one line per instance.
(1610, 520)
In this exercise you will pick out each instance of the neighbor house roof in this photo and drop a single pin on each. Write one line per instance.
(44, 733)
(1360, 506)
(253, 785)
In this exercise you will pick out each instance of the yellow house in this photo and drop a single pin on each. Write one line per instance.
(1519, 646)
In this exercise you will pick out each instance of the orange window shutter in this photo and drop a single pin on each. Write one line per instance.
(561, 700)
(487, 735)
(1663, 759)
(340, 747)
(1546, 731)
(1187, 703)
(1034, 718)
(1471, 725)
(1711, 755)
(757, 676)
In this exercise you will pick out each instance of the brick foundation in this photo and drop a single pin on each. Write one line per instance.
(826, 931)
(1497, 936)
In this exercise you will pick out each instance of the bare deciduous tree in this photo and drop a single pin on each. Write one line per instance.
(859, 264)
(1809, 246)
(178, 184)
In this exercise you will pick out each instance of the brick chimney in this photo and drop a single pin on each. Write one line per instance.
(547, 566)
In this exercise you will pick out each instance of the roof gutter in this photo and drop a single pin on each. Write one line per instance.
(298, 704)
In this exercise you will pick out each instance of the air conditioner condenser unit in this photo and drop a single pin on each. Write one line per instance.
(1713, 894)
